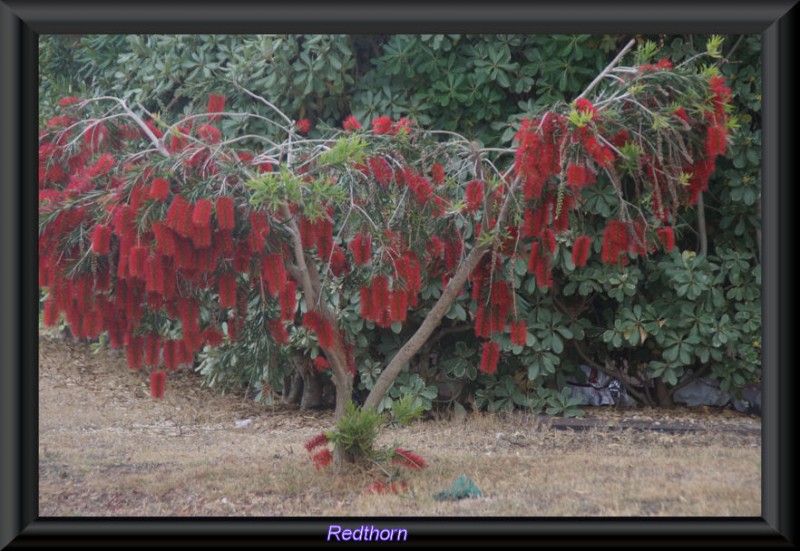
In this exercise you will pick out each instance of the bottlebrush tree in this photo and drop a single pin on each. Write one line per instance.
(167, 236)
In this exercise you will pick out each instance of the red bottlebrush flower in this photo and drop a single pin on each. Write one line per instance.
(716, 141)
(259, 230)
(216, 104)
(151, 125)
(519, 333)
(403, 125)
(227, 290)
(361, 247)
(313, 321)
(303, 126)
(212, 337)
(319, 440)
(339, 265)
(621, 138)
(377, 488)
(381, 169)
(241, 258)
(366, 305)
(544, 277)
(165, 239)
(351, 124)
(158, 381)
(549, 240)
(322, 459)
(135, 349)
(576, 176)
(124, 220)
(170, 358)
(323, 231)
(452, 254)
(179, 216)
(398, 306)
(382, 125)
(583, 104)
(615, 241)
(273, 271)
(489, 357)
(50, 313)
(321, 364)
(102, 166)
(159, 189)
(407, 459)
(201, 215)
(225, 213)
(680, 113)
(437, 173)
(101, 239)
(664, 64)
(136, 262)
(152, 348)
(69, 100)
(474, 195)
(667, 237)
(278, 331)
(288, 300)
(580, 251)
(209, 133)
(533, 260)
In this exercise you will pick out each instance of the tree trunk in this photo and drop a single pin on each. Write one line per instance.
(434, 317)
(294, 390)
(312, 390)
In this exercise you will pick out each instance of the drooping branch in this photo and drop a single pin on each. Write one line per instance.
(608, 68)
(434, 317)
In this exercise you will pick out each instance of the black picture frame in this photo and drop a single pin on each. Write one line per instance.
(21, 23)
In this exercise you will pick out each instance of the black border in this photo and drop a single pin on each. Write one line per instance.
(20, 23)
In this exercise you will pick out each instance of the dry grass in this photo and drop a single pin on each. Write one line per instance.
(107, 449)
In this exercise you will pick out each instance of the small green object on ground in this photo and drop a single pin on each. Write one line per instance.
(463, 487)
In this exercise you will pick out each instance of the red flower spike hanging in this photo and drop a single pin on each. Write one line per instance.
(580, 251)
(158, 381)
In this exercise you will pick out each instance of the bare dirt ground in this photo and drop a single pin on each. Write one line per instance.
(106, 448)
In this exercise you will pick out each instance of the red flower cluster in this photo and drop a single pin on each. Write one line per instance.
(407, 459)
(437, 173)
(101, 239)
(361, 247)
(351, 124)
(474, 195)
(382, 125)
(288, 300)
(380, 169)
(519, 333)
(320, 364)
(586, 106)
(322, 459)
(491, 318)
(539, 265)
(225, 213)
(615, 243)
(159, 189)
(319, 440)
(580, 250)
(489, 357)
(227, 290)
(216, 104)
(303, 126)
(667, 237)
(537, 156)
(158, 381)
(273, 271)
(313, 321)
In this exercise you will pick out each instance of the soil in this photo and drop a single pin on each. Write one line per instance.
(106, 448)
